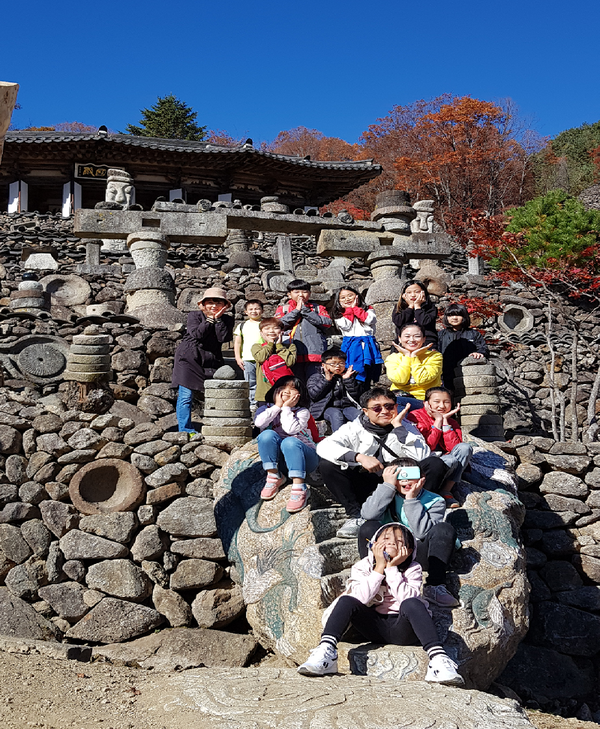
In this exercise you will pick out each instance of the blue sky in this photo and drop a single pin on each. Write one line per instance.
(256, 68)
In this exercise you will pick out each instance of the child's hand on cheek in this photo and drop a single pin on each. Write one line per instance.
(413, 490)
(403, 553)
(380, 561)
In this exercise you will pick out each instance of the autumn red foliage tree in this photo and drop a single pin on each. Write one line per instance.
(303, 142)
(223, 138)
(463, 153)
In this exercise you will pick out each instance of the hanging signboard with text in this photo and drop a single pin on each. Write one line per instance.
(88, 171)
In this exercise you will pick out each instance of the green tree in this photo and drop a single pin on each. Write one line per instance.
(169, 118)
(558, 231)
(567, 161)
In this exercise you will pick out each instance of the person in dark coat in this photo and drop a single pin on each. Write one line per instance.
(415, 307)
(457, 341)
(198, 355)
(334, 392)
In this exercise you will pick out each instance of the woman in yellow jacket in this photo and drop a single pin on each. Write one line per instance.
(414, 368)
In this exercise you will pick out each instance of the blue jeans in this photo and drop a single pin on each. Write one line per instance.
(457, 460)
(299, 458)
(183, 409)
(250, 377)
(336, 417)
(404, 400)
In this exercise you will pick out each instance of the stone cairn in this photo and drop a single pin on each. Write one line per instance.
(29, 297)
(476, 386)
(88, 360)
(227, 416)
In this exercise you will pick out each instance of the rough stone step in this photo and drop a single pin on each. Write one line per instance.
(225, 385)
(478, 371)
(485, 419)
(326, 522)
(235, 430)
(474, 383)
(339, 554)
(226, 404)
(488, 399)
(469, 410)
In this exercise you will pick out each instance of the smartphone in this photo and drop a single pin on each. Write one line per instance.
(408, 473)
(387, 556)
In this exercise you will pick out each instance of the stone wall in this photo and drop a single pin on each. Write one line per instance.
(559, 483)
(94, 571)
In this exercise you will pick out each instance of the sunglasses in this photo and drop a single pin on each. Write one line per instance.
(388, 407)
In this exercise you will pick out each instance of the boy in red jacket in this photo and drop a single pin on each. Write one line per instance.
(443, 435)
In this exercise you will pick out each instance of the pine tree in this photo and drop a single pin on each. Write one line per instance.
(169, 118)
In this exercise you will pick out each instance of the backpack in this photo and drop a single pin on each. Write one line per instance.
(275, 367)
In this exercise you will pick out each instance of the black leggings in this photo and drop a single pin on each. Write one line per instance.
(352, 486)
(411, 626)
(433, 551)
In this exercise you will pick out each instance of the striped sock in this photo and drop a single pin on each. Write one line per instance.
(330, 640)
(435, 650)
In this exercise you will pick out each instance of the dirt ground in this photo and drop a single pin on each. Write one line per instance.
(56, 694)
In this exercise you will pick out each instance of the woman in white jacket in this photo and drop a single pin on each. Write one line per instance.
(383, 602)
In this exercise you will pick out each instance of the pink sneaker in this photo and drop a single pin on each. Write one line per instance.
(297, 500)
(271, 488)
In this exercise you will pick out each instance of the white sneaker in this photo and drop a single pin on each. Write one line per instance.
(322, 660)
(350, 528)
(440, 595)
(442, 669)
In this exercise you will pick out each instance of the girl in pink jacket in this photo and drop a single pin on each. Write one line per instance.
(383, 602)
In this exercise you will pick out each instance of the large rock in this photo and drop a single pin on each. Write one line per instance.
(575, 632)
(58, 517)
(113, 620)
(19, 619)
(276, 697)
(66, 599)
(118, 527)
(220, 606)
(79, 545)
(189, 517)
(120, 578)
(548, 674)
(292, 566)
(12, 544)
(183, 648)
(149, 544)
(193, 574)
(172, 606)
(10, 440)
(25, 579)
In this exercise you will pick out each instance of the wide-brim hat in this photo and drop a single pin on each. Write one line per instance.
(270, 395)
(215, 293)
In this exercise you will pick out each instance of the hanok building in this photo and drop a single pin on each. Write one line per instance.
(64, 171)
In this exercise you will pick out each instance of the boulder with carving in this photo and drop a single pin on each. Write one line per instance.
(291, 566)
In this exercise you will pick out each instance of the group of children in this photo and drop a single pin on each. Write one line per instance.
(294, 381)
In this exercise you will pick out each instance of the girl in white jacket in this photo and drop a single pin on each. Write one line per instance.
(356, 321)
(383, 602)
(285, 435)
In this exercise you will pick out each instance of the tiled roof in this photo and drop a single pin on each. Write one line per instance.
(181, 145)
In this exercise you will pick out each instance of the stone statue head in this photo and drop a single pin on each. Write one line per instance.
(423, 223)
(119, 188)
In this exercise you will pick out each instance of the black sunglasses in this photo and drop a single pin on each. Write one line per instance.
(388, 407)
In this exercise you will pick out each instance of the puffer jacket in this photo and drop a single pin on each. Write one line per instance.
(336, 392)
(306, 327)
